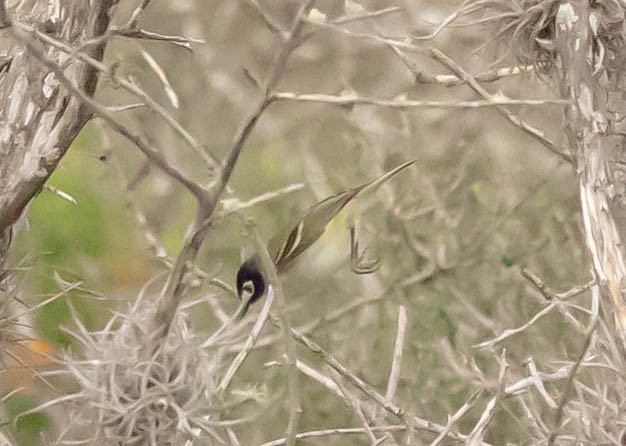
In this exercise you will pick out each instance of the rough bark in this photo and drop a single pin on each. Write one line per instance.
(590, 51)
(38, 118)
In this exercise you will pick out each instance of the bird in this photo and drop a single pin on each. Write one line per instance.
(318, 241)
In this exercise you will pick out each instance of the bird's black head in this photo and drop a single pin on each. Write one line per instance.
(250, 282)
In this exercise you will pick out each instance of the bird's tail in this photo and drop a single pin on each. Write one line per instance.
(374, 184)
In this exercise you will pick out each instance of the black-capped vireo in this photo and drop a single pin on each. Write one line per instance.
(318, 242)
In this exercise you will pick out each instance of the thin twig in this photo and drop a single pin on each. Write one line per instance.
(175, 286)
(404, 103)
(335, 431)
(366, 15)
(452, 80)
(526, 127)
(249, 344)
(319, 377)
(271, 24)
(476, 436)
(558, 298)
(402, 44)
(396, 364)
(233, 205)
(529, 381)
(565, 397)
(457, 416)
(101, 112)
(389, 406)
(290, 347)
(550, 294)
(134, 17)
(357, 407)
(136, 33)
(509, 332)
(208, 158)
(534, 374)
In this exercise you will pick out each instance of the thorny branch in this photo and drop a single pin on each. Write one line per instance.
(175, 286)
(389, 406)
(108, 117)
(538, 134)
(208, 200)
(109, 73)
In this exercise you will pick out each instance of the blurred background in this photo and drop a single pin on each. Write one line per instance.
(452, 234)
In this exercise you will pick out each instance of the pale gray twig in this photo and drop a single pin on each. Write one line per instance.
(396, 364)
(131, 87)
(136, 33)
(440, 57)
(550, 294)
(457, 416)
(355, 404)
(174, 288)
(271, 24)
(349, 99)
(290, 347)
(452, 80)
(134, 17)
(250, 341)
(410, 420)
(538, 383)
(233, 205)
(365, 15)
(475, 438)
(335, 431)
(319, 377)
(513, 331)
(101, 112)
(566, 395)
(404, 44)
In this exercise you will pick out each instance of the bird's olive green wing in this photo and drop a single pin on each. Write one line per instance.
(286, 246)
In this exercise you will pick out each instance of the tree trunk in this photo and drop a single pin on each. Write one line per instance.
(592, 77)
(38, 118)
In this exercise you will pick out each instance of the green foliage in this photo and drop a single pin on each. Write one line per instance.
(27, 428)
(92, 240)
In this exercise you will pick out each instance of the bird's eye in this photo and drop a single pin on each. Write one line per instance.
(248, 289)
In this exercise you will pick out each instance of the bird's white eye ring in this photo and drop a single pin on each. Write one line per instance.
(248, 287)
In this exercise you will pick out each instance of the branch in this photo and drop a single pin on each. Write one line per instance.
(271, 24)
(404, 103)
(136, 33)
(526, 127)
(570, 379)
(290, 347)
(39, 122)
(476, 436)
(174, 288)
(451, 80)
(592, 123)
(129, 86)
(107, 116)
(389, 406)
(456, 417)
(556, 301)
(134, 17)
(396, 365)
(335, 431)
(248, 345)
(366, 15)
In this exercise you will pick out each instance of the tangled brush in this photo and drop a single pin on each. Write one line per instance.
(135, 390)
